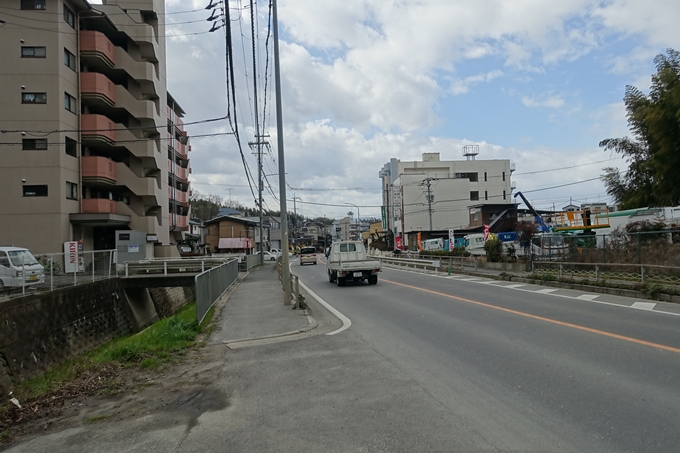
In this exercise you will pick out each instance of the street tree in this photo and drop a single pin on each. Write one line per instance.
(653, 151)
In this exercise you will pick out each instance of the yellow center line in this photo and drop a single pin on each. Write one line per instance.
(541, 318)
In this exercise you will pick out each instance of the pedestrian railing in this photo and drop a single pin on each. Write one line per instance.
(627, 273)
(211, 284)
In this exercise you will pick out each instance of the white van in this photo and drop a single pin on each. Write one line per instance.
(18, 267)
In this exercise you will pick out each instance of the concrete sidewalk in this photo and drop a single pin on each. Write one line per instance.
(255, 310)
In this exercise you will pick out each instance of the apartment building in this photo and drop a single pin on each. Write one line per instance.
(92, 141)
(432, 196)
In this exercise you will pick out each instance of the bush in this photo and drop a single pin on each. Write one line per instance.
(494, 250)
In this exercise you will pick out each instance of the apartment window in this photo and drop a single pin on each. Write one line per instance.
(486, 194)
(33, 52)
(484, 176)
(473, 177)
(474, 195)
(71, 147)
(34, 98)
(33, 4)
(71, 190)
(35, 191)
(34, 144)
(503, 176)
(69, 59)
(69, 17)
(69, 103)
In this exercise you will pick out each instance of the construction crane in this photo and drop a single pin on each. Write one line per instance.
(542, 226)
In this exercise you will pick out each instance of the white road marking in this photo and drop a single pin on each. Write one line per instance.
(644, 305)
(517, 287)
(546, 290)
(345, 320)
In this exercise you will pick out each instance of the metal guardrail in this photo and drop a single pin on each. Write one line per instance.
(172, 266)
(435, 265)
(211, 284)
(294, 283)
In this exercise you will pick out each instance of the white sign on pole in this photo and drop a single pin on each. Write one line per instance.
(70, 257)
(452, 240)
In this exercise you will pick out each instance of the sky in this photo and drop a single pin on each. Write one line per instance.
(537, 82)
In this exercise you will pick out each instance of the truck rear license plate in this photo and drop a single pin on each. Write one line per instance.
(33, 278)
(357, 274)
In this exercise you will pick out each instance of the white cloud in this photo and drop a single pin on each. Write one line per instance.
(545, 100)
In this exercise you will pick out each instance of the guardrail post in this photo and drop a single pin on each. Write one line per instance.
(642, 274)
(533, 271)
(202, 265)
(561, 270)
(126, 269)
(297, 291)
(23, 279)
(92, 265)
(165, 268)
(597, 273)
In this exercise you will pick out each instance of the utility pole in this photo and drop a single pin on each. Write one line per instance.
(257, 129)
(285, 267)
(430, 198)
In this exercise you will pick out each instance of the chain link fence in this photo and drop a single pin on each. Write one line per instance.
(60, 270)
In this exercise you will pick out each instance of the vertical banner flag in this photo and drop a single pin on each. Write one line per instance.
(486, 232)
(420, 244)
(384, 217)
(397, 243)
(452, 240)
(70, 257)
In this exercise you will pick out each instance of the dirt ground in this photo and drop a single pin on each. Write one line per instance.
(111, 392)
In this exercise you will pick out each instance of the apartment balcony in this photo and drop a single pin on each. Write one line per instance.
(97, 89)
(99, 206)
(96, 48)
(179, 195)
(99, 170)
(142, 148)
(97, 128)
(147, 188)
(178, 221)
(181, 149)
(143, 72)
(139, 108)
(180, 173)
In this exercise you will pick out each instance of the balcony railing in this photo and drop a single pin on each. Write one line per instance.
(99, 169)
(96, 44)
(99, 206)
(97, 127)
(93, 84)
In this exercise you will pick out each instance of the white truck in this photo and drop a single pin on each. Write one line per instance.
(347, 261)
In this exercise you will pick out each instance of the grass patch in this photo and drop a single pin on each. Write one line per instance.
(156, 345)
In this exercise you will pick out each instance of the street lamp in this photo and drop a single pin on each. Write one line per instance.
(358, 218)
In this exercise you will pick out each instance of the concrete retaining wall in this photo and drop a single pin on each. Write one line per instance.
(40, 332)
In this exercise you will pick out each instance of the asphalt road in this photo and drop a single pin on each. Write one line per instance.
(528, 367)
(429, 363)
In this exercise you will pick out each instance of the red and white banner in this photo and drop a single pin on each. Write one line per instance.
(71, 257)
(486, 232)
(397, 243)
(452, 240)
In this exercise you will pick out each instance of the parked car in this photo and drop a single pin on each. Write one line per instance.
(18, 267)
(307, 255)
(268, 256)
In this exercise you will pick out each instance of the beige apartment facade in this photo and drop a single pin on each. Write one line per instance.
(433, 195)
(93, 142)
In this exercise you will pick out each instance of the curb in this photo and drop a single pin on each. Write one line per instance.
(241, 342)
